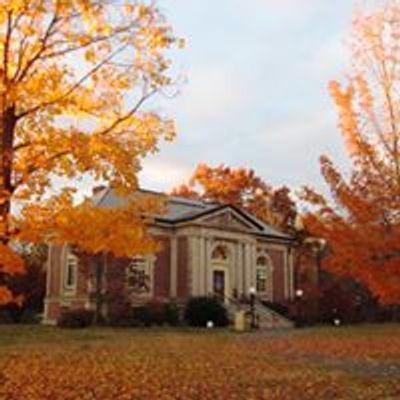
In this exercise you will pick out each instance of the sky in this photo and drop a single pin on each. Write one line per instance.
(256, 89)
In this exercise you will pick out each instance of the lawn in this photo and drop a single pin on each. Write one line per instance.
(320, 363)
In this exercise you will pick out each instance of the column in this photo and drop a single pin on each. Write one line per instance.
(247, 266)
(286, 273)
(202, 266)
(253, 258)
(173, 278)
(239, 268)
(291, 273)
(194, 266)
(207, 269)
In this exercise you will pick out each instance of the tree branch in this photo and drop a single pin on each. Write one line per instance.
(74, 87)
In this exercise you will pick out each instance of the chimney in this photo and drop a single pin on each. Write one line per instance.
(97, 189)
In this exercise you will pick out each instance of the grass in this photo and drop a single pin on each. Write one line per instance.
(361, 362)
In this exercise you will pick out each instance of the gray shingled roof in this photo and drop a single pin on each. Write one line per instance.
(180, 209)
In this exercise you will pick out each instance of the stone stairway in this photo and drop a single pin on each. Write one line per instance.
(266, 318)
(270, 319)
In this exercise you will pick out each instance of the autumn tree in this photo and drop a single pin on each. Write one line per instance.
(74, 79)
(243, 188)
(28, 288)
(362, 224)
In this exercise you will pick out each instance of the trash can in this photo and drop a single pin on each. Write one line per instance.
(240, 321)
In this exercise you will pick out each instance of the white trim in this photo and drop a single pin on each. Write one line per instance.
(202, 265)
(71, 271)
(194, 266)
(148, 266)
(249, 226)
(224, 267)
(227, 264)
(269, 294)
(291, 266)
(173, 266)
(66, 289)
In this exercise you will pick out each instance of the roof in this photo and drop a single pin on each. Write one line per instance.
(180, 210)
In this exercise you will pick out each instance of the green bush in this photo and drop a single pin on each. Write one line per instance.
(79, 318)
(200, 310)
(154, 312)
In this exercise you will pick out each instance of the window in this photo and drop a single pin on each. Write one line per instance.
(263, 275)
(220, 253)
(261, 280)
(138, 275)
(71, 268)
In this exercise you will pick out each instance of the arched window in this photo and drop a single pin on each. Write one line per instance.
(220, 253)
(139, 275)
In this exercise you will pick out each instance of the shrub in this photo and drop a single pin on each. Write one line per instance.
(142, 315)
(124, 318)
(157, 312)
(172, 314)
(80, 318)
(200, 310)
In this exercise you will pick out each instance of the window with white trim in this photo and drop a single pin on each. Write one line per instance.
(263, 272)
(71, 271)
(139, 278)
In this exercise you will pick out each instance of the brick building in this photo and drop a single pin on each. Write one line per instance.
(207, 248)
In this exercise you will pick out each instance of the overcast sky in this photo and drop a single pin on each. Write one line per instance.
(256, 92)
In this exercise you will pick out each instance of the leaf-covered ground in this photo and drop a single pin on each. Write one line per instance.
(345, 363)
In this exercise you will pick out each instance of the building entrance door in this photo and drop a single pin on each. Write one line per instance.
(219, 284)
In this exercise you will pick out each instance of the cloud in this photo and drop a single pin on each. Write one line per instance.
(289, 10)
(163, 175)
(331, 58)
(213, 92)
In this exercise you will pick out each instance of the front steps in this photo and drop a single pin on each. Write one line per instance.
(266, 318)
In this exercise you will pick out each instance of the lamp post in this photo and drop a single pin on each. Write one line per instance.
(252, 293)
(298, 297)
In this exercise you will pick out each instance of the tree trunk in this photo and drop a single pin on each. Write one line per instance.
(8, 124)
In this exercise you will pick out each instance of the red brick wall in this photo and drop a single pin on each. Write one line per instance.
(182, 284)
(82, 275)
(55, 270)
(162, 268)
(278, 260)
(52, 311)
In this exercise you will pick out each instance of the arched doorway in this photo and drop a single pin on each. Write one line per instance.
(220, 261)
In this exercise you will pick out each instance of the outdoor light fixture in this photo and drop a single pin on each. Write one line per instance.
(298, 297)
(252, 292)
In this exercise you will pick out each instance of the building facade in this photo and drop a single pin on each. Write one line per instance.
(206, 249)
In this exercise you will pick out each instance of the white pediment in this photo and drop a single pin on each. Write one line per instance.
(228, 219)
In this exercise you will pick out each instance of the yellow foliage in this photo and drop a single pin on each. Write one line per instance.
(73, 96)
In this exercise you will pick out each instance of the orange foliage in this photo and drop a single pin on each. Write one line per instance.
(74, 78)
(242, 188)
(204, 366)
(363, 228)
